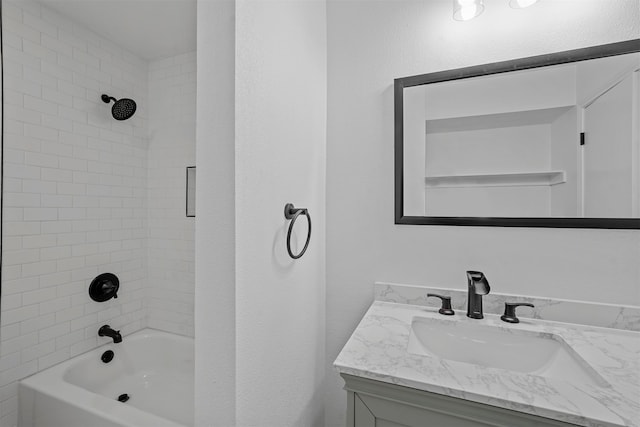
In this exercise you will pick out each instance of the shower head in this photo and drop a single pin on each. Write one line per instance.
(122, 108)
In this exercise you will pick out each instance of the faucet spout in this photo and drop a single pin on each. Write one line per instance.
(107, 331)
(478, 281)
(478, 285)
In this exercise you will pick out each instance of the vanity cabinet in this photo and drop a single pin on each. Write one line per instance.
(377, 404)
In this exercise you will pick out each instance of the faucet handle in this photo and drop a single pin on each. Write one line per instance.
(446, 304)
(510, 311)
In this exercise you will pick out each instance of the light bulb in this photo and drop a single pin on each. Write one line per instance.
(464, 10)
(521, 4)
(468, 12)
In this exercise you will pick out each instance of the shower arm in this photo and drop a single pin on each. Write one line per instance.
(107, 99)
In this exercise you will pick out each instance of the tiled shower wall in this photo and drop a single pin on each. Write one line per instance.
(75, 201)
(172, 125)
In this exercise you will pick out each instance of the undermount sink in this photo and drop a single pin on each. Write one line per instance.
(545, 355)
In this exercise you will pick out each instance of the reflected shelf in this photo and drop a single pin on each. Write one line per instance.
(497, 120)
(546, 178)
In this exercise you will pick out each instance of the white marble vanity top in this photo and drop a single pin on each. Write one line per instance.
(378, 350)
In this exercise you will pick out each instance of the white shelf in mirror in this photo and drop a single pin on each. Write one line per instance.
(497, 179)
(496, 120)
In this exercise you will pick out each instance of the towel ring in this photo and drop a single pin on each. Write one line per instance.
(292, 213)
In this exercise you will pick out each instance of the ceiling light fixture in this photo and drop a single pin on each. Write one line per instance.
(521, 4)
(464, 10)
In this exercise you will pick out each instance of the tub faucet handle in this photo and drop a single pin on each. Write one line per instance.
(110, 288)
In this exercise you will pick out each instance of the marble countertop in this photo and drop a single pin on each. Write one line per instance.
(377, 350)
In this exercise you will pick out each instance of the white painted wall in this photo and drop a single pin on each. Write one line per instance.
(1, 178)
(74, 195)
(484, 151)
(599, 75)
(501, 93)
(370, 44)
(564, 156)
(172, 127)
(413, 162)
(595, 80)
(609, 152)
(280, 157)
(215, 308)
(278, 87)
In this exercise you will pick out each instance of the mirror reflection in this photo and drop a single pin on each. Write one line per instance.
(558, 141)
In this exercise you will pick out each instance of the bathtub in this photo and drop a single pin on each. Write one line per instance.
(155, 370)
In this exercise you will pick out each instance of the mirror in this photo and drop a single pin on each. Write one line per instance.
(546, 141)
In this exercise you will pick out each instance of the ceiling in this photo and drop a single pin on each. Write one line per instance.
(151, 29)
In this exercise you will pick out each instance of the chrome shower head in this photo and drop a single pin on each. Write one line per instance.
(122, 108)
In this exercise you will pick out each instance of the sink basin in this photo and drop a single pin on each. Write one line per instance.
(545, 355)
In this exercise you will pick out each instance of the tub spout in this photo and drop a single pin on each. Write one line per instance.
(106, 331)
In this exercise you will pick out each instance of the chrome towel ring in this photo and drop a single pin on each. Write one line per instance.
(292, 213)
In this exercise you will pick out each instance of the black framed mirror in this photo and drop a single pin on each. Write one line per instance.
(544, 141)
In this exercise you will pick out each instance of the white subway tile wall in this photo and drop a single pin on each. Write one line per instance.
(171, 243)
(82, 193)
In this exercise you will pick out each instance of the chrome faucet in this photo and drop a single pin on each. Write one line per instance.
(478, 286)
(106, 331)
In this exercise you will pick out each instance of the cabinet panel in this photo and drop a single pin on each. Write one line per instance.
(388, 412)
(362, 416)
(376, 404)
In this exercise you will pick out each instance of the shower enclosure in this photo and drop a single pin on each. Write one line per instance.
(98, 130)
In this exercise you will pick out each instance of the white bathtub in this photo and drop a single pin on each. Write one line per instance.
(154, 368)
